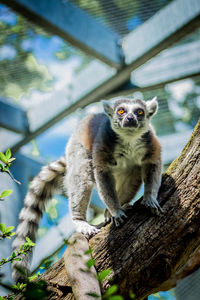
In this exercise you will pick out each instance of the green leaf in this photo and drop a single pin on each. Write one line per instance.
(103, 274)
(6, 193)
(14, 286)
(8, 154)
(13, 254)
(3, 158)
(93, 295)
(11, 159)
(89, 251)
(17, 259)
(131, 294)
(116, 297)
(9, 229)
(19, 286)
(5, 169)
(2, 227)
(34, 276)
(66, 241)
(111, 290)
(29, 242)
(12, 233)
(90, 263)
(47, 263)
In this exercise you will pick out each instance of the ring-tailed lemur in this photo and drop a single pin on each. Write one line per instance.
(116, 150)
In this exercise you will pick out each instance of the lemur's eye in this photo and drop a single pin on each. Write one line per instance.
(121, 110)
(140, 112)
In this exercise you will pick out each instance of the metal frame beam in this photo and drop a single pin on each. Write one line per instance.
(13, 117)
(130, 88)
(163, 29)
(178, 61)
(174, 64)
(73, 25)
(167, 26)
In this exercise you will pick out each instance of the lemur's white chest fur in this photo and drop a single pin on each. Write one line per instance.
(129, 153)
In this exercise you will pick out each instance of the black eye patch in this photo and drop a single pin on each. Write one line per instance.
(139, 112)
(121, 111)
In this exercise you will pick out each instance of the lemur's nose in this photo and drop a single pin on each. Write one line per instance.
(130, 121)
(130, 118)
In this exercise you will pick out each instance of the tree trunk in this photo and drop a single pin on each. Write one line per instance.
(149, 253)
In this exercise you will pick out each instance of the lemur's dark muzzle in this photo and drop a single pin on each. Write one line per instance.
(130, 121)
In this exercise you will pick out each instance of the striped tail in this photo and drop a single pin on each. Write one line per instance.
(42, 188)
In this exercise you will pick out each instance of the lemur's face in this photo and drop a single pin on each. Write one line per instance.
(129, 114)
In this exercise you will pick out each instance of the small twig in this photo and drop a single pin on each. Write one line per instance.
(10, 174)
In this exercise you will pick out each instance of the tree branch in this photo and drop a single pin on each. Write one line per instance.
(80, 268)
(150, 253)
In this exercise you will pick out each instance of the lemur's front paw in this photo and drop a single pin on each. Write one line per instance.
(85, 228)
(153, 205)
(119, 218)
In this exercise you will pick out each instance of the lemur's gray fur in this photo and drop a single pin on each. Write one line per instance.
(116, 150)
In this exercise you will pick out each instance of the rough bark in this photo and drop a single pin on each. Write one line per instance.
(150, 253)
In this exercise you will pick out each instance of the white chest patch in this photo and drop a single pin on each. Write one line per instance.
(129, 154)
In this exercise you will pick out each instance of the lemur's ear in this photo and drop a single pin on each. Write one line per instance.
(108, 107)
(152, 107)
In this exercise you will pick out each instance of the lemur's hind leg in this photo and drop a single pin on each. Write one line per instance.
(79, 184)
(79, 202)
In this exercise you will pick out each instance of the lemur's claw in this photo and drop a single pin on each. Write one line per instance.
(154, 206)
(119, 219)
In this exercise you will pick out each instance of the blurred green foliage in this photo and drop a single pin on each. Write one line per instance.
(28, 74)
